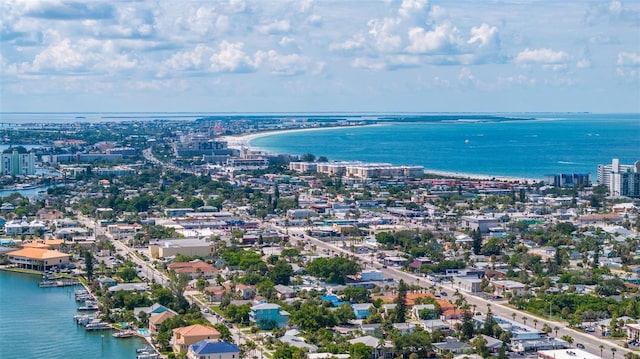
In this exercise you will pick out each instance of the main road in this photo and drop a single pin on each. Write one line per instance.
(592, 343)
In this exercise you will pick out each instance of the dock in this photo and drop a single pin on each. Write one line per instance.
(60, 282)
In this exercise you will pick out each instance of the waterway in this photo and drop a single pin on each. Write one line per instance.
(37, 323)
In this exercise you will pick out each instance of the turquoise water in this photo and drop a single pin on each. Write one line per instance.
(551, 143)
(38, 323)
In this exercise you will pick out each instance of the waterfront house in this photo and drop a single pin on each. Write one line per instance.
(155, 320)
(268, 316)
(106, 282)
(185, 336)
(213, 349)
(38, 258)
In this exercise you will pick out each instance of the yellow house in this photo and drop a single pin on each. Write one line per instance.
(185, 336)
(37, 258)
(157, 319)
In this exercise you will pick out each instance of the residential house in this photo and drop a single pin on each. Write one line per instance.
(284, 291)
(435, 324)
(195, 269)
(493, 344)
(213, 349)
(502, 287)
(361, 310)
(185, 336)
(268, 316)
(633, 332)
(452, 345)
(246, 292)
(129, 287)
(381, 349)
(423, 311)
(155, 320)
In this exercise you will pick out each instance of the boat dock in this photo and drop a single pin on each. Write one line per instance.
(60, 282)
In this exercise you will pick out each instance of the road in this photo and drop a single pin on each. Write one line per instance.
(591, 342)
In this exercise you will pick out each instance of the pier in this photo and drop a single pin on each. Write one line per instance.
(61, 282)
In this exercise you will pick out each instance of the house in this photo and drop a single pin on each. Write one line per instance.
(493, 344)
(215, 293)
(405, 328)
(423, 311)
(155, 320)
(106, 282)
(156, 308)
(435, 324)
(452, 345)
(129, 287)
(195, 269)
(246, 291)
(381, 349)
(185, 336)
(268, 316)
(213, 349)
(507, 286)
(291, 337)
(361, 310)
(284, 291)
(633, 332)
(38, 258)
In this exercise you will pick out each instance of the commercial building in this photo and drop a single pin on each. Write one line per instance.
(188, 246)
(567, 180)
(14, 163)
(37, 258)
(622, 180)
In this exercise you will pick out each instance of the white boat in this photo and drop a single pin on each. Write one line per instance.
(124, 334)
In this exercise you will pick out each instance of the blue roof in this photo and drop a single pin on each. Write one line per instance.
(213, 347)
(329, 298)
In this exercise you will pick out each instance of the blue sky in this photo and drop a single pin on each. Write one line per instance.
(307, 56)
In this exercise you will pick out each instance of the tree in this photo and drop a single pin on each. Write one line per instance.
(308, 157)
(127, 274)
(333, 270)
(613, 352)
(281, 273)
(418, 342)
(480, 345)
(555, 329)
(477, 241)
(88, 260)
(354, 294)
(567, 338)
(399, 313)
(344, 314)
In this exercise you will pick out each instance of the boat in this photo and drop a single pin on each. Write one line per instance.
(89, 305)
(83, 319)
(124, 334)
(147, 353)
(97, 324)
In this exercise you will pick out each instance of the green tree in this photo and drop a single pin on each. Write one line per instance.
(88, 260)
(281, 273)
(344, 313)
(355, 294)
(360, 351)
(333, 270)
(477, 241)
(399, 313)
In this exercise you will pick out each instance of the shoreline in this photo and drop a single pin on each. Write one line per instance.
(244, 141)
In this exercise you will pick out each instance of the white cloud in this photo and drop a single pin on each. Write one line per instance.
(383, 34)
(483, 35)
(190, 60)
(285, 65)
(275, 27)
(442, 38)
(628, 65)
(541, 56)
(231, 58)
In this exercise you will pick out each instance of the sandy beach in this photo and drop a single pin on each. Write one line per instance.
(241, 141)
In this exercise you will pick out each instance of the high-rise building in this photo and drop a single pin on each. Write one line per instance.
(622, 180)
(13, 163)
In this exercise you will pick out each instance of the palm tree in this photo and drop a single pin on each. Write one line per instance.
(555, 329)
(513, 315)
(601, 347)
(535, 323)
(524, 320)
(613, 352)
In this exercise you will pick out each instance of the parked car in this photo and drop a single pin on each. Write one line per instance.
(580, 345)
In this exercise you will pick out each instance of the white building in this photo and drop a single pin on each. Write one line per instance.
(17, 164)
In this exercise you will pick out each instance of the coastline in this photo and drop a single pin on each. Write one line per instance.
(244, 141)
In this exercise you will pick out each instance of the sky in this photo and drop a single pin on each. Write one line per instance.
(319, 56)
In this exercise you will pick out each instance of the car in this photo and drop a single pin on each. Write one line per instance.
(443, 293)
(579, 345)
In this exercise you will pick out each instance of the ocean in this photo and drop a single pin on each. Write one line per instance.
(527, 146)
(37, 323)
